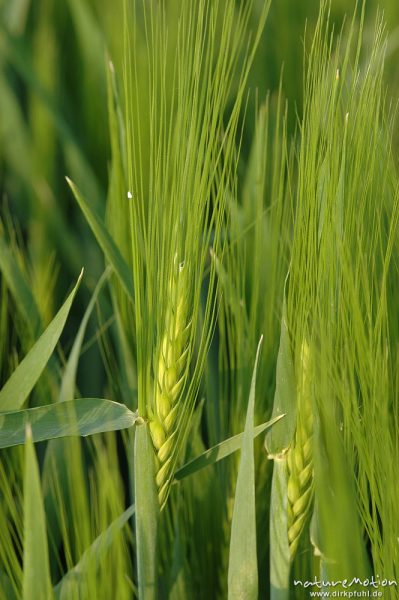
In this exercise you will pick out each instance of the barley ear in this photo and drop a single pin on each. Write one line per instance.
(299, 459)
(170, 368)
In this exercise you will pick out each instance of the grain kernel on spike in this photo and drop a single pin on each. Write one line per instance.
(157, 433)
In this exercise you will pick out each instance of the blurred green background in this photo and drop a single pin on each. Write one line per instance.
(53, 117)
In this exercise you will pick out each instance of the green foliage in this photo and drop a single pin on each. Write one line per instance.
(72, 417)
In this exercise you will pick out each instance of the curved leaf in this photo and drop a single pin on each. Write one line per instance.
(85, 416)
(220, 451)
(105, 241)
(23, 379)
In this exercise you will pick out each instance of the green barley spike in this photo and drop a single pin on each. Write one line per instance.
(169, 374)
(300, 458)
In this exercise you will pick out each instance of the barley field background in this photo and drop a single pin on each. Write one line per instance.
(199, 299)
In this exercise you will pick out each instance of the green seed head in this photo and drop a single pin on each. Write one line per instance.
(170, 366)
(300, 456)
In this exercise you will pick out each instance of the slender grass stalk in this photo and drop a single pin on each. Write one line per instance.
(36, 581)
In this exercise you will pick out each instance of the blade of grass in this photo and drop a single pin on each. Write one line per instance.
(105, 241)
(278, 439)
(220, 451)
(89, 36)
(82, 417)
(71, 580)
(20, 384)
(19, 288)
(69, 377)
(243, 563)
(36, 581)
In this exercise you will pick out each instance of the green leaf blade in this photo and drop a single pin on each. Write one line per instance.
(25, 376)
(220, 451)
(243, 564)
(105, 241)
(279, 438)
(85, 416)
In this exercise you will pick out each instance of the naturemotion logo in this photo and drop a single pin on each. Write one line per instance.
(372, 587)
